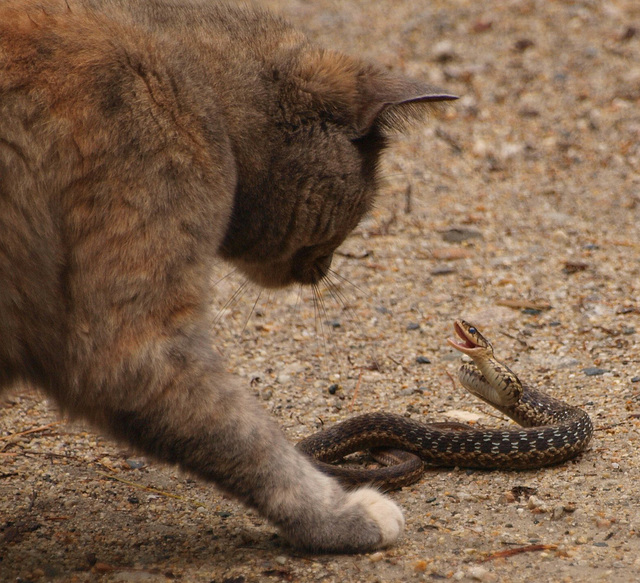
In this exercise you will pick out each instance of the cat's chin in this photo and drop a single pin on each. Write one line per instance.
(267, 275)
(281, 274)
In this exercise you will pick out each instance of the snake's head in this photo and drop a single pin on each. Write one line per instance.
(472, 343)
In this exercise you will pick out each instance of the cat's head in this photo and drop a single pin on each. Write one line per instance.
(310, 175)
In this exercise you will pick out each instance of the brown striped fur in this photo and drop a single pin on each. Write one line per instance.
(140, 141)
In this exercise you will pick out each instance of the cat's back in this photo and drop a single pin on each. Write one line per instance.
(83, 60)
(98, 77)
(105, 116)
(89, 91)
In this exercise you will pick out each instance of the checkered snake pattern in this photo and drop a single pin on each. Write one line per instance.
(551, 430)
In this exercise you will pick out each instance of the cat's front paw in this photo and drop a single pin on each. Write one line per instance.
(382, 511)
(357, 522)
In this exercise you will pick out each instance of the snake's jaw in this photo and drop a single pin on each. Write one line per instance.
(467, 348)
(470, 342)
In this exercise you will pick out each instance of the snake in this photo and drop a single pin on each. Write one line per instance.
(551, 431)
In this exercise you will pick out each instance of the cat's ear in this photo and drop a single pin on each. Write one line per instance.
(390, 103)
(364, 97)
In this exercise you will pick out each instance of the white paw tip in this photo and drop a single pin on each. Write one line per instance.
(384, 512)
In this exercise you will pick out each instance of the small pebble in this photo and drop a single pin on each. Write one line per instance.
(422, 360)
(376, 557)
(444, 270)
(594, 371)
(136, 464)
(523, 44)
(507, 498)
(463, 416)
(456, 235)
(443, 51)
(413, 326)
(535, 504)
(464, 496)
(479, 573)
(629, 33)
(281, 560)
(532, 311)
(420, 566)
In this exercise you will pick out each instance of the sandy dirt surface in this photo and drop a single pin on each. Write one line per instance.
(518, 208)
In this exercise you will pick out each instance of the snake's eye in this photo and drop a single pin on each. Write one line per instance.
(472, 330)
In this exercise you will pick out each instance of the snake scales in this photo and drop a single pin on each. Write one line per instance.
(552, 431)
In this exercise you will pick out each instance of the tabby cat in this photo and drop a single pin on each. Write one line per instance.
(139, 141)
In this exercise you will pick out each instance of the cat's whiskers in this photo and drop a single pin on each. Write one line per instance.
(225, 276)
(246, 323)
(341, 300)
(319, 312)
(232, 301)
(269, 301)
(341, 277)
(384, 178)
(298, 299)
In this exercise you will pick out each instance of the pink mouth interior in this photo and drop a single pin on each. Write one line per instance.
(466, 343)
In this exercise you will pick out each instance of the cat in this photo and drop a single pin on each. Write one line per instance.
(140, 141)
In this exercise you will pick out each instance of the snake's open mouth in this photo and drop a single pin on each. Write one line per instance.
(467, 341)
(464, 332)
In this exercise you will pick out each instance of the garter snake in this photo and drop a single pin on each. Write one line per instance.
(552, 431)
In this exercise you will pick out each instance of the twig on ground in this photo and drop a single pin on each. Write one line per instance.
(518, 551)
(150, 489)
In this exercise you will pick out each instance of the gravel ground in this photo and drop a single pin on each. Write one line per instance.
(519, 209)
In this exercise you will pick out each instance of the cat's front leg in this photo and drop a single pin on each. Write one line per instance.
(198, 417)
(315, 512)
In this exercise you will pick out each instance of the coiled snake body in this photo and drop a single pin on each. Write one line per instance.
(552, 431)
